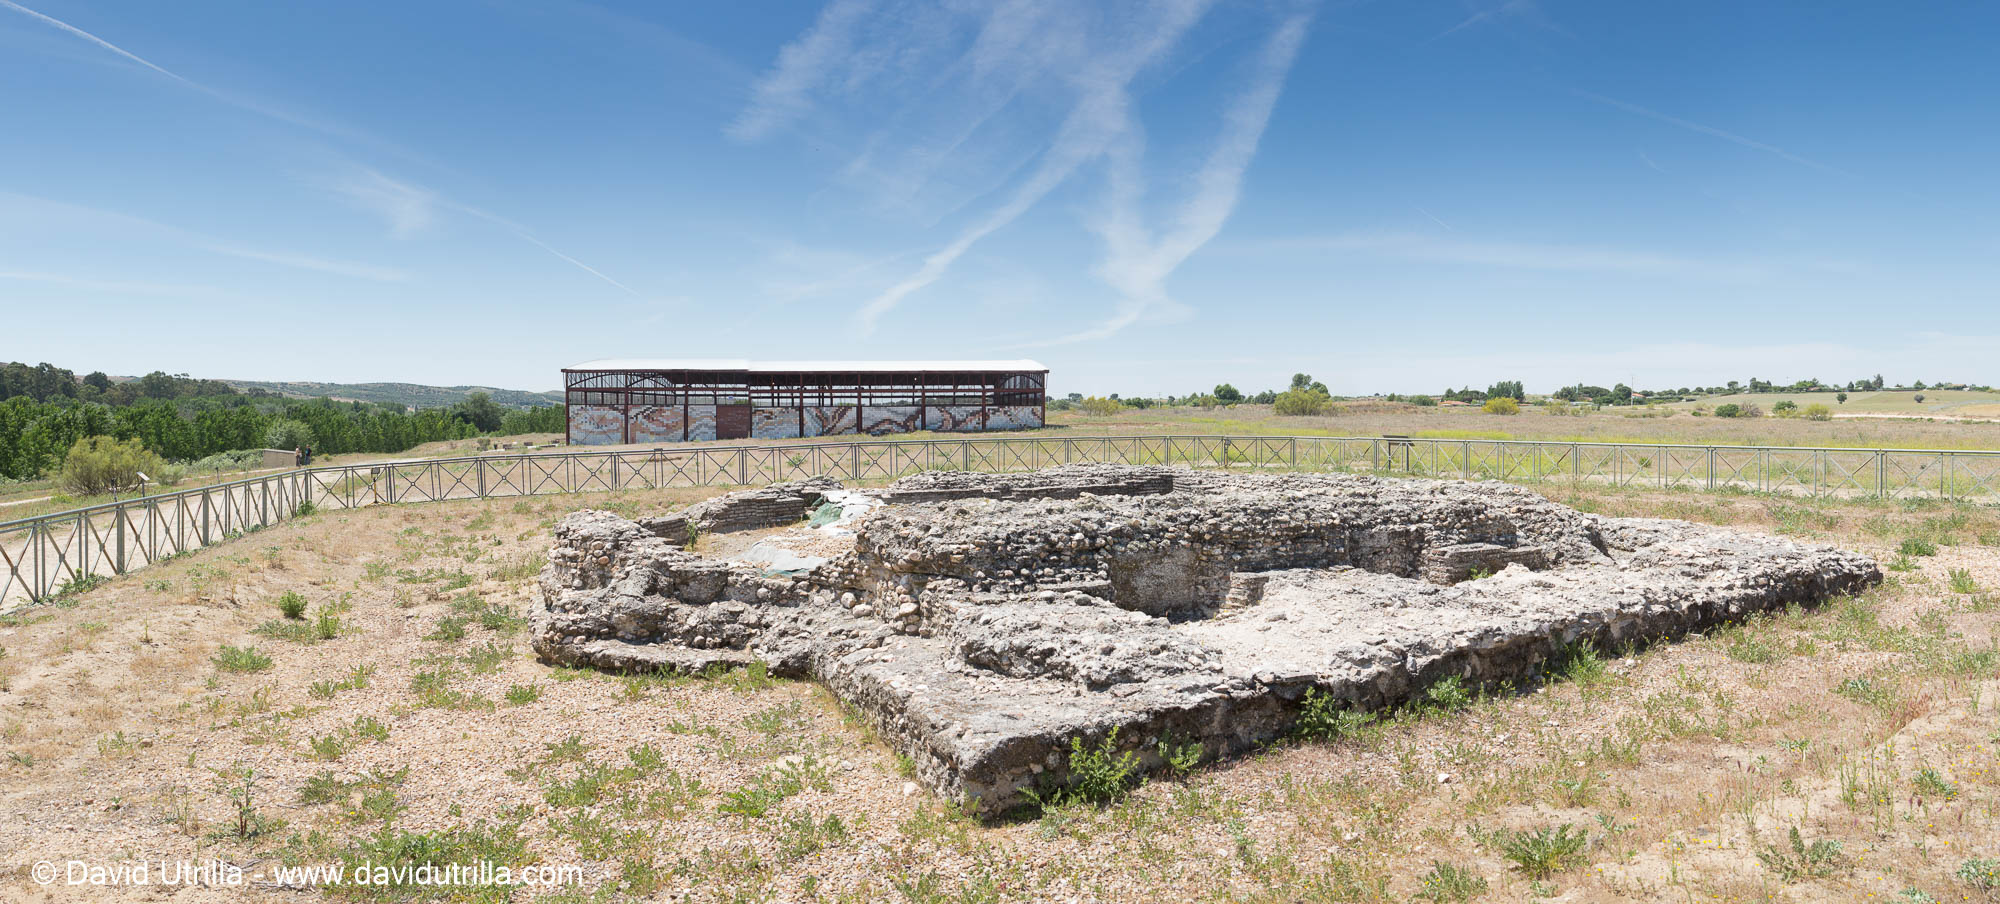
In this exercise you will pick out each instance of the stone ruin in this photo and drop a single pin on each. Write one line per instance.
(983, 621)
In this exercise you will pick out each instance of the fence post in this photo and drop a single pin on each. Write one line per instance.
(118, 566)
(743, 467)
(1465, 458)
(1881, 473)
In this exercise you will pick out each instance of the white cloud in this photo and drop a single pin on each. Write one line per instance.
(783, 94)
(1136, 264)
(1525, 255)
(995, 107)
(408, 209)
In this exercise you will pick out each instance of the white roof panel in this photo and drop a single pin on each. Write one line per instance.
(614, 364)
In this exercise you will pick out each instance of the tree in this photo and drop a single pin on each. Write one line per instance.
(1302, 402)
(480, 411)
(289, 434)
(99, 464)
(98, 379)
(1228, 394)
(1920, 398)
(1506, 389)
(1621, 393)
(1840, 397)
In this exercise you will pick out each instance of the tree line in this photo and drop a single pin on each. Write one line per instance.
(45, 410)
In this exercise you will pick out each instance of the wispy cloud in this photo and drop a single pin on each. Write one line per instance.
(78, 32)
(1567, 258)
(784, 93)
(47, 213)
(1136, 264)
(1731, 137)
(997, 115)
(1100, 117)
(118, 286)
(408, 209)
(307, 262)
(1491, 14)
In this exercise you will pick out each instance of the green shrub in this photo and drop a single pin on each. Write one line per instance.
(1322, 718)
(99, 464)
(1501, 405)
(1962, 582)
(1785, 408)
(1980, 872)
(1917, 546)
(1818, 860)
(1730, 409)
(1302, 403)
(292, 604)
(1817, 412)
(241, 659)
(1451, 884)
(1097, 406)
(1541, 854)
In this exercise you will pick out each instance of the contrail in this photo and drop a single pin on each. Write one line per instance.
(107, 45)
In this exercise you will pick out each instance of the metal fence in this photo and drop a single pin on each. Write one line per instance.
(45, 555)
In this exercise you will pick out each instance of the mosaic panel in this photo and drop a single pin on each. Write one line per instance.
(656, 424)
(833, 420)
(774, 423)
(951, 418)
(596, 425)
(1013, 417)
(701, 422)
(878, 419)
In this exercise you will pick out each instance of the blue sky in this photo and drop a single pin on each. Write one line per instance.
(1150, 197)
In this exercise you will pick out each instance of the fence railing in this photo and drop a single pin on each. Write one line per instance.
(44, 555)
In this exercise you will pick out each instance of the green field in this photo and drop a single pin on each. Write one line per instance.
(1937, 402)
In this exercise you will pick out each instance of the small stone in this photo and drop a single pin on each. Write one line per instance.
(909, 789)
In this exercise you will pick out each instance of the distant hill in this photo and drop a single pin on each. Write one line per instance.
(414, 395)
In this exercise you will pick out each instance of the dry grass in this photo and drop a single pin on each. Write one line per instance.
(1682, 764)
(1636, 425)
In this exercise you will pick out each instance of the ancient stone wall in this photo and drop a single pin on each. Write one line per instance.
(982, 633)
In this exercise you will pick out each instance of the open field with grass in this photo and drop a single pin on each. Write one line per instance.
(1943, 402)
(1660, 424)
(180, 712)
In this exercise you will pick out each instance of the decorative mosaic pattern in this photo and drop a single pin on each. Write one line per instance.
(774, 423)
(951, 418)
(834, 420)
(889, 419)
(701, 422)
(1013, 417)
(597, 425)
(661, 424)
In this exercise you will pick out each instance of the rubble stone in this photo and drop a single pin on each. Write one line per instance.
(984, 629)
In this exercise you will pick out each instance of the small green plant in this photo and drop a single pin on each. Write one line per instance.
(1932, 784)
(521, 694)
(241, 659)
(1180, 758)
(450, 628)
(1545, 852)
(1866, 690)
(1980, 872)
(238, 784)
(1451, 884)
(1962, 582)
(292, 605)
(1322, 718)
(1902, 563)
(1917, 546)
(1799, 860)
(1448, 694)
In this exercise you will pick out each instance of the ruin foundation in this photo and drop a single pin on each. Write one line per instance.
(983, 621)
